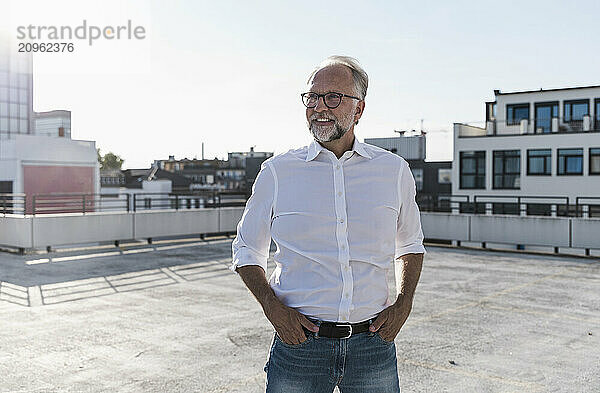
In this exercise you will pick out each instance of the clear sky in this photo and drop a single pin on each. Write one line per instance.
(229, 73)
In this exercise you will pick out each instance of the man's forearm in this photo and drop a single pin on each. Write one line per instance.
(408, 270)
(256, 281)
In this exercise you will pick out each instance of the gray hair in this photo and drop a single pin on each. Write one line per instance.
(361, 79)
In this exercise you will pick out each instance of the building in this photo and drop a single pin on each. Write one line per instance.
(42, 160)
(538, 154)
(55, 123)
(250, 161)
(236, 174)
(16, 92)
(432, 178)
(134, 189)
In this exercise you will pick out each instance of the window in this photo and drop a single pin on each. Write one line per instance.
(569, 210)
(13, 94)
(539, 162)
(505, 208)
(570, 162)
(515, 113)
(490, 111)
(471, 207)
(539, 209)
(595, 161)
(507, 169)
(544, 112)
(23, 112)
(472, 169)
(574, 112)
(418, 175)
(23, 96)
(23, 80)
(597, 112)
(444, 176)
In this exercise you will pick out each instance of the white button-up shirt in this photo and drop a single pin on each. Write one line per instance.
(338, 225)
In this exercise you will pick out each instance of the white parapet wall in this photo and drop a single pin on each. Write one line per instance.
(585, 232)
(155, 223)
(32, 232)
(530, 230)
(16, 231)
(446, 226)
(63, 229)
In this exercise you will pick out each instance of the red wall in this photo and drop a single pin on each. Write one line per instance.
(46, 179)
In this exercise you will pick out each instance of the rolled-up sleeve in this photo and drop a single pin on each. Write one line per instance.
(251, 245)
(409, 235)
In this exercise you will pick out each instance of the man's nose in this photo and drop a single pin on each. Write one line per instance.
(321, 107)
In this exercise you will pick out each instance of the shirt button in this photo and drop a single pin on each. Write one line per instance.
(341, 220)
(343, 247)
(337, 166)
(339, 193)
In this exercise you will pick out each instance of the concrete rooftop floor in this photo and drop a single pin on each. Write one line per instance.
(170, 317)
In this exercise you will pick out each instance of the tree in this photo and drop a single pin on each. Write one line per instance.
(109, 161)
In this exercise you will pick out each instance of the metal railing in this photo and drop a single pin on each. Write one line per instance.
(20, 204)
(525, 205)
(78, 203)
(12, 203)
(531, 125)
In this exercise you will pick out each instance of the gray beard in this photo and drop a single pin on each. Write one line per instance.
(328, 135)
(337, 133)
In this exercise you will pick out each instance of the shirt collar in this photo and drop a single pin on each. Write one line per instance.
(315, 148)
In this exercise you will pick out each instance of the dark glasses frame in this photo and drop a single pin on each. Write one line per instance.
(340, 96)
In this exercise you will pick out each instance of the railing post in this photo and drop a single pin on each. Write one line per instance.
(83, 199)
(134, 203)
(176, 202)
(32, 206)
(127, 202)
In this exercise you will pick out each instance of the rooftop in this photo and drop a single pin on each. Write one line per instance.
(499, 93)
(170, 317)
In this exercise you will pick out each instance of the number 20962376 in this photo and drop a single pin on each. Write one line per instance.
(46, 47)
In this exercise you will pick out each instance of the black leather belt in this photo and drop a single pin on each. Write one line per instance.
(341, 330)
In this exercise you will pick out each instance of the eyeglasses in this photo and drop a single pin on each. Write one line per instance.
(332, 100)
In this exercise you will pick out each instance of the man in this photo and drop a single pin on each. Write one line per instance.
(340, 213)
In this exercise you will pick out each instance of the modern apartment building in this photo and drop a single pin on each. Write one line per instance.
(16, 92)
(538, 154)
(431, 178)
(37, 154)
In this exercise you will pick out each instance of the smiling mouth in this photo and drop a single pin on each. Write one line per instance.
(322, 121)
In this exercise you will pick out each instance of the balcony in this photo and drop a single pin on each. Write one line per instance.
(554, 125)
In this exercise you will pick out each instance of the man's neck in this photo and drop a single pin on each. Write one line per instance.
(342, 145)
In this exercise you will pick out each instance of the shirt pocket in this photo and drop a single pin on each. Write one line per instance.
(372, 235)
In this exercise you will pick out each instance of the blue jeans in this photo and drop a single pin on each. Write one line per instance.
(363, 363)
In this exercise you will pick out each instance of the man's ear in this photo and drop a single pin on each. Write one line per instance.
(359, 111)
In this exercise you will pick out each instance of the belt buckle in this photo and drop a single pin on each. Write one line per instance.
(349, 330)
